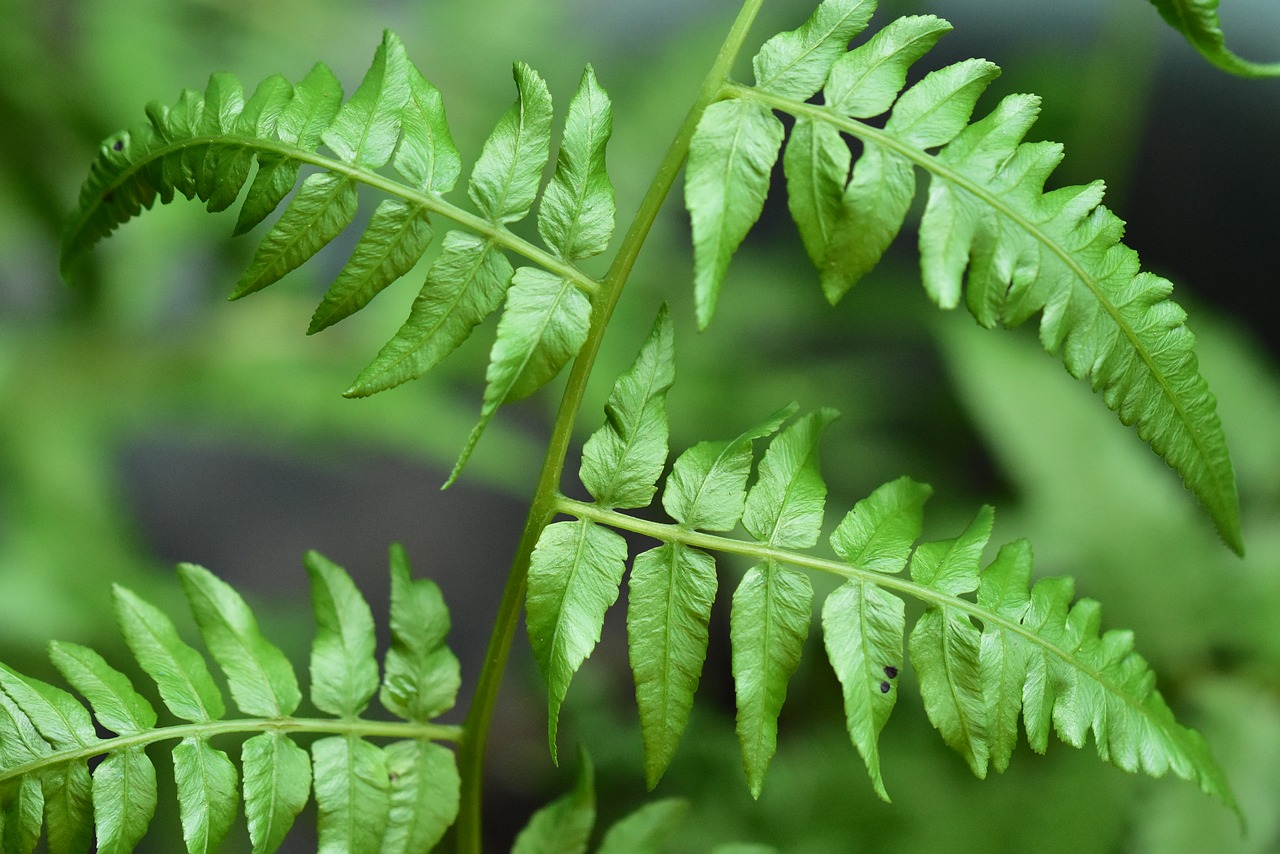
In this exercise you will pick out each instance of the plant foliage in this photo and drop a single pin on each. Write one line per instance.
(1198, 22)
(400, 796)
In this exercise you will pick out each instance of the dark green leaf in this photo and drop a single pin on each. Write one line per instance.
(277, 781)
(365, 130)
(784, 507)
(261, 678)
(324, 206)
(344, 673)
(575, 217)
(206, 782)
(422, 674)
(505, 180)
(574, 575)
(767, 630)
(880, 530)
(398, 234)
(564, 825)
(179, 671)
(124, 800)
(424, 796)
(863, 628)
(672, 589)
(352, 794)
(726, 180)
(794, 64)
(544, 325)
(622, 461)
(644, 831)
(707, 488)
(465, 284)
(117, 705)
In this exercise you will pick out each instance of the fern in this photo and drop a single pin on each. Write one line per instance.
(990, 647)
(1014, 650)
(1197, 20)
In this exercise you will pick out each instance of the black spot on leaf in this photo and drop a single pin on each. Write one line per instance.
(119, 145)
(890, 671)
(884, 687)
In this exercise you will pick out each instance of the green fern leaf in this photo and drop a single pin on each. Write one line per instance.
(670, 594)
(180, 673)
(726, 180)
(576, 215)
(464, 286)
(344, 673)
(261, 680)
(124, 800)
(574, 576)
(505, 180)
(426, 155)
(115, 702)
(366, 128)
(424, 796)
(544, 325)
(563, 826)
(622, 461)
(21, 802)
(784, 507)
(645, 830)
(794, 64)
(1004, 587)
(206, 782)
(421, 676)
(353, 794)
(1198, 22)
(277, 783)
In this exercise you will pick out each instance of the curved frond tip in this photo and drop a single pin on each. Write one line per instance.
(989, 234)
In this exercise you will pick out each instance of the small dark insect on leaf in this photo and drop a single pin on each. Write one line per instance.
(884, 687)
(890, 671)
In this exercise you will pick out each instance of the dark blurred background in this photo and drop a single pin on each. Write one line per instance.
(144, 421)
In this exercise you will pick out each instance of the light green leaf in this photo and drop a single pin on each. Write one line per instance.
(426, 154)
(397, 235)
(227, 166)
(672, 589)
(543, 327)
(794, 64)
(865, 81)
(352, 793)
(422, 676)
(727, 177)
(464, 286)
(223, 102)
(767, 629)
(784, 507)
(116, 704)
(57, 715)
(21, 816)
(1004, 589)
(1197, 20)
(951, 566)
(644, 831)
(707, 487)
(260, 677)
(180, 673)
(424, 796)
(324, 206)
(574, 575)
(816, 163)
(937, 108)
(344, 673)
(366, 128)
(564, 825)
(505, 179)
(622, 461)
(576, 215)
(302, 120)
(206, 782)
(880, 529)
(124, 800)
(67, 791)
(863, 629)
(277, 781)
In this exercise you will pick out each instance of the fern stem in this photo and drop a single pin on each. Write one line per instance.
(545, 504)
(357, 728)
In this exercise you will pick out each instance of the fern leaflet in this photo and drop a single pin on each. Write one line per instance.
(988, 229)
(1012, 650)
(206, 145)
(1198, 22)
(398, 797)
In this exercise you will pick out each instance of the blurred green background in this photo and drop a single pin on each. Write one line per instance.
(144, 421)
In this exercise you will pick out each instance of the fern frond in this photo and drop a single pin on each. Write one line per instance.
(988, 228)
(990, 646)
(400, 797)
(206, 145)
(1198, 22)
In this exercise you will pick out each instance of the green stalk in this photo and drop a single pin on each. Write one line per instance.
(471, 749)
